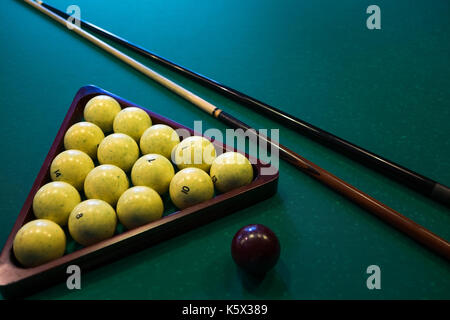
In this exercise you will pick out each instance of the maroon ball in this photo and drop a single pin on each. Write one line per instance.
(255, 248)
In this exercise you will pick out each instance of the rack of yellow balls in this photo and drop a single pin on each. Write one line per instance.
(122, 166)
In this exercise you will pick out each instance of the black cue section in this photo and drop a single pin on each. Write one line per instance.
(407, 177)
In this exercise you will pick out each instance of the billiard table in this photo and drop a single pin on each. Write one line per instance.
(384, 89)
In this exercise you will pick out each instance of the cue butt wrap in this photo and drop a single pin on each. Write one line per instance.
(441, 193)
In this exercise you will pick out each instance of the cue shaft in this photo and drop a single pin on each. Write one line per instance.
(407, 177)
(415, 231)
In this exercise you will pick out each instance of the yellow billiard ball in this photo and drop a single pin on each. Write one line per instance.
(118, 149)
(196, 151)
(132, 121)
(160, 139)
(231, 170)
(101, 110)
(190, 186)
(154, 171)
(71, 166)
(92, 221)
(39, 241)
(84, 136)
(55, 201)
(138, 206)
(106, 182)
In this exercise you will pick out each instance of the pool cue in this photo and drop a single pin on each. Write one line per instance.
(407, 177)
(397, 220)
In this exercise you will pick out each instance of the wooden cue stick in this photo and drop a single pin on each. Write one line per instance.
(397, 220)
(407, 177)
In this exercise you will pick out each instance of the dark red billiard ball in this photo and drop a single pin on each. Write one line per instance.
(255, 248)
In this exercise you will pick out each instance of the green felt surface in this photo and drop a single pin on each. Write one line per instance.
(386, 90)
